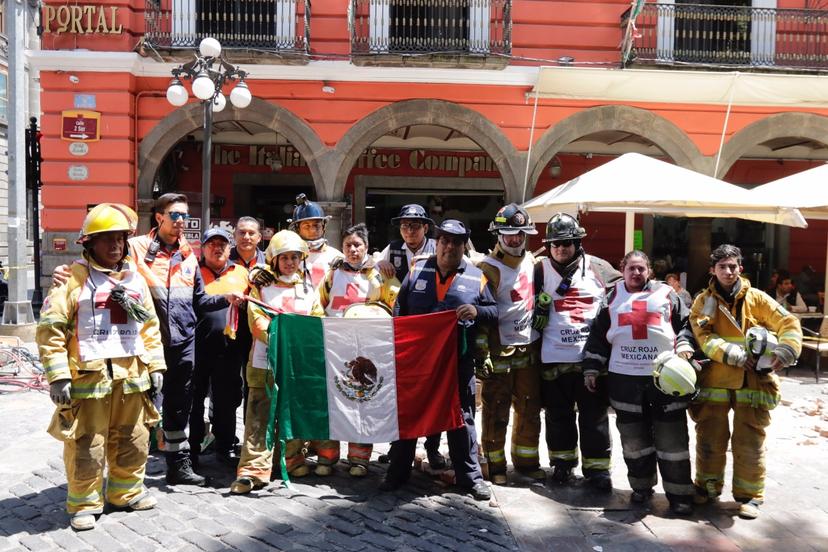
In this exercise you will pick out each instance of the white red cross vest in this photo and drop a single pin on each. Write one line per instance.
(640, 328)
(515, 301)
(319, 262)
(104, 328)
(282, 298)
(347, 288)
(570, 315)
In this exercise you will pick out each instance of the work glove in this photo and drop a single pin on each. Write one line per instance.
(61, 392)
(156, 383)
(784, 355)
(737, 356)
(541, 315)
(483, 368)
(260, 276)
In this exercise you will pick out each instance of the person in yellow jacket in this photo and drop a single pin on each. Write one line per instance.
(721, 317)
(289, 292)
(353, 280)
(100, 345)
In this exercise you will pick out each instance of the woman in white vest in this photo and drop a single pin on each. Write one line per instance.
(289, 292)
(353, 280)
(640, 319)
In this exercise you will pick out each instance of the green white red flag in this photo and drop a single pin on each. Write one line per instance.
(371, 380)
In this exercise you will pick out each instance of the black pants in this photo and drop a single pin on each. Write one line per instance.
(218, 374)
(462, 441)
(178, 399)
(653, 428)
(560, 398)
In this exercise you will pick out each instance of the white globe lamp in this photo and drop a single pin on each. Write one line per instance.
(219, 102)
(176, 93)
(210, 47)
(240, 95)
(203, 86)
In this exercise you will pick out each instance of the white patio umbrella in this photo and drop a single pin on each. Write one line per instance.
(634, 183)
(806, 191)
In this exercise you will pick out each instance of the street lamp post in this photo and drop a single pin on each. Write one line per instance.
(208, 73)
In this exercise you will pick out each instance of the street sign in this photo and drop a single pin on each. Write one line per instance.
(78, 172)
(85, 101)
(192, 229)
(80, 125)
(78, 149)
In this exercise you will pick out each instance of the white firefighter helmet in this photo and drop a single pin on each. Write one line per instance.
(367, 310)
(673, 376)
(283, 242)
(760, 342)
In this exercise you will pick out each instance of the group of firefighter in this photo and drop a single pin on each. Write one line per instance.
(141, 319)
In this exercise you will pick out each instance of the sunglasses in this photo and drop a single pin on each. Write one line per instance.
(561, 243)
(176, 216)
(411, 225)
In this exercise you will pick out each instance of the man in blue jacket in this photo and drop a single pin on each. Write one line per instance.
(448, 281)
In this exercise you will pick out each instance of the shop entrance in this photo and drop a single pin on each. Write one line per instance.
(473, 201)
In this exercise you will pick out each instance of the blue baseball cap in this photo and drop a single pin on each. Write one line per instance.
(220, 232)
(452, 227)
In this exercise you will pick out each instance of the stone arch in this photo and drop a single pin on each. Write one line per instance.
(184, 120)
(425, 112)
(661, 132)
(801, 125)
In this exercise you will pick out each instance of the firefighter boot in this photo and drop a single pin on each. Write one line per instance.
(180, 471)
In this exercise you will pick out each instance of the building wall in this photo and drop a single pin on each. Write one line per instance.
(133, 106)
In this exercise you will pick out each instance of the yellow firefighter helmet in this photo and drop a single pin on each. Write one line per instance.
(284, 241)
(674, 376)
(108, 217)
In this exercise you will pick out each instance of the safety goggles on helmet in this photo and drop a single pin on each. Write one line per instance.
(561, 243)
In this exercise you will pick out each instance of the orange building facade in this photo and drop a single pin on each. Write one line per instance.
(460, 105)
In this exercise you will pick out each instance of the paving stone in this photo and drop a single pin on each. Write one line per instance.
(245, 543)
(343, 526)
(203, 542)
(343, 541)
(211, 527)
(66, 539)
(100, 540)
(377, 541)
(35, 543)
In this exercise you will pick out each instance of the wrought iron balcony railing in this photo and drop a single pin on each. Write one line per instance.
(410, 27)
(279, 25)
(730, 36)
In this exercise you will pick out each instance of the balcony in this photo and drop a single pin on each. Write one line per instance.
(729, 37)
(281, 26)
(434, 32)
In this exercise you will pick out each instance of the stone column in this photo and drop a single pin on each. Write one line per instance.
(340, 218)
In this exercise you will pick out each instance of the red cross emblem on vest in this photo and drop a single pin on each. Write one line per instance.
(574, 304)
(288, 303)
(117, 314)
(523, 291)
(352, 295)
(639, 319)
(317, 273)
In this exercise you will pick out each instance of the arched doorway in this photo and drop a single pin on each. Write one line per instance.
(448, 158)
(262, 157)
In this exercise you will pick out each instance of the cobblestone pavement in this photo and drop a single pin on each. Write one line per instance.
(341, 513)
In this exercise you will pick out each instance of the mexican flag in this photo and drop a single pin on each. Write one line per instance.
(370, 380)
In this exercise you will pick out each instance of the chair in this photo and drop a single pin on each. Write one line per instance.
(817, 342)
